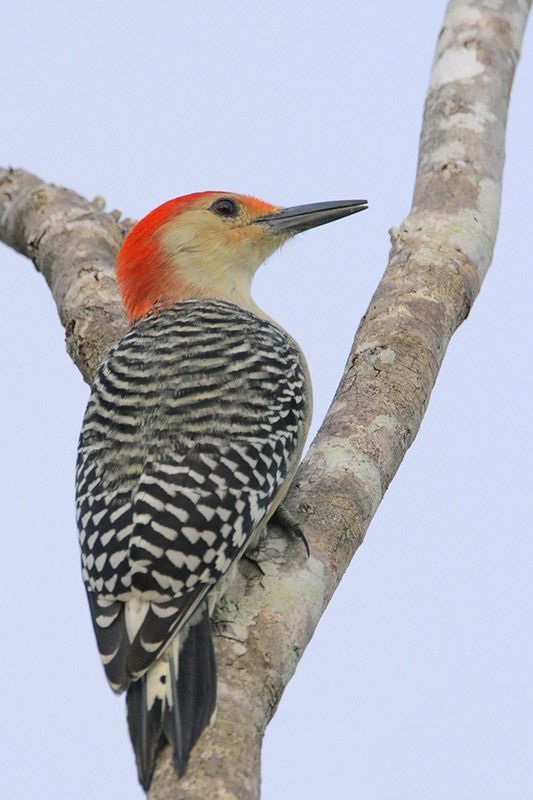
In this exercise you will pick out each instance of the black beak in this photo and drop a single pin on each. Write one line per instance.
(301, 218)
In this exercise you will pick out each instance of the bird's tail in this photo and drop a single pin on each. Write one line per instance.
(175, 699)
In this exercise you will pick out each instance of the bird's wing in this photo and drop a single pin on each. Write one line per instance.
(127, 654)
(194, 423)
(148, 562)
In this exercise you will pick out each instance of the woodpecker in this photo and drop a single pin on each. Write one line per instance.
(192, 434)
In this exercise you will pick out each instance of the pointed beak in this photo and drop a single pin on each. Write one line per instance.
(300, 218)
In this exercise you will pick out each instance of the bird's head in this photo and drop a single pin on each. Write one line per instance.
(209, 245)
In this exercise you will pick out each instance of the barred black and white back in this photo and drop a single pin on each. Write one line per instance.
(193, 430)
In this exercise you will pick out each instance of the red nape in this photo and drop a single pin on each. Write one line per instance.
(141, 275)
(146, 278)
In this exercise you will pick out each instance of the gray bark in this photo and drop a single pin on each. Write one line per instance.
(439, 257)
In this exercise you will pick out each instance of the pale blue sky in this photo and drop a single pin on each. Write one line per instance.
(417, 683)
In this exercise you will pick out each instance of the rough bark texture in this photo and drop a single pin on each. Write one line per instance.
(73, 244)
(439, 257)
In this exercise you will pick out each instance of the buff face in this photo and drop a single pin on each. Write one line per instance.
(209, 245)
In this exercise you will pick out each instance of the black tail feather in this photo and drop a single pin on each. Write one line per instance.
(191, 673)
(145, 730)
(194, 692)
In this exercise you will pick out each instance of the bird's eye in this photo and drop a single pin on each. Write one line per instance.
(225, 207)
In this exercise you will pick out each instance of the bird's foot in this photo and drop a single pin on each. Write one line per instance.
(285, 520)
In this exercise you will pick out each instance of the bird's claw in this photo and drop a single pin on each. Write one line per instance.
(285, 520)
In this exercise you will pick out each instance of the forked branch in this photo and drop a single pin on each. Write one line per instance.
(439, 257)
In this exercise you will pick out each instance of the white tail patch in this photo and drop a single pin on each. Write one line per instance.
(135, 613)
(160, 675)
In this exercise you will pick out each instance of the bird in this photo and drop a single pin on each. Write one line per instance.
(193, 431)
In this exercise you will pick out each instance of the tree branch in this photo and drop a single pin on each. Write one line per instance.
(73, 244)
(439, 257)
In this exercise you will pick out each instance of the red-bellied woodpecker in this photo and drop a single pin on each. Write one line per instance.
(192, 434)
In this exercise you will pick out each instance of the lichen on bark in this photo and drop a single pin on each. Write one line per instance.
(438, 260)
